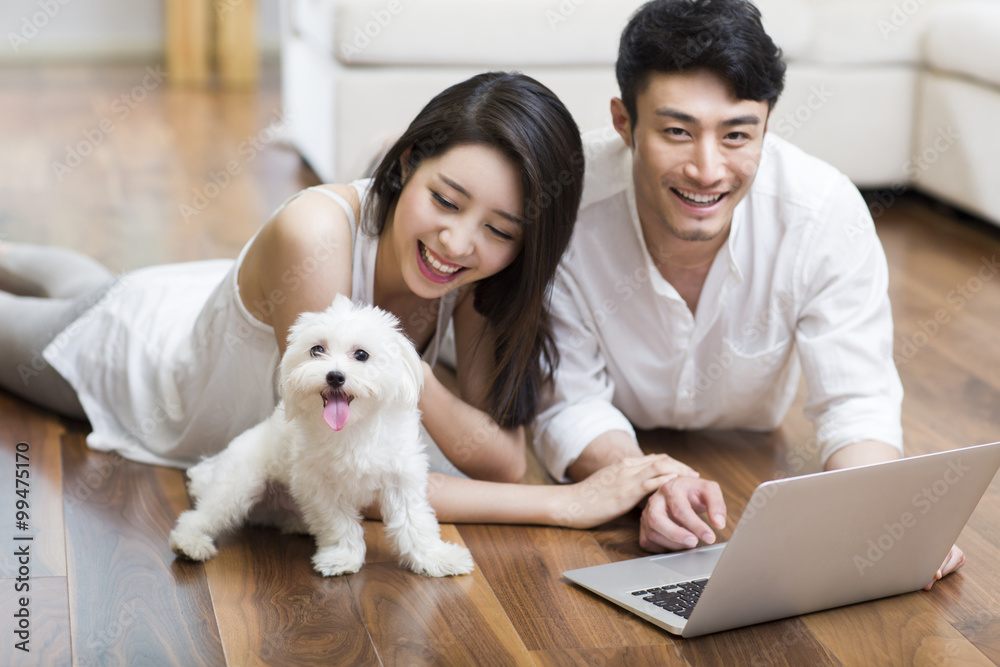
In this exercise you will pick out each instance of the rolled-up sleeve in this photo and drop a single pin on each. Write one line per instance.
(844, 333)
(577, 408)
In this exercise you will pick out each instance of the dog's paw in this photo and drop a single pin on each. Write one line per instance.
(442, 560)
(336, 561)
(195, 546)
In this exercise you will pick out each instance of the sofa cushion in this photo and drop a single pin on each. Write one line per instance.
(867, 32)
(507, 33)
(964, 39)
(512, 33)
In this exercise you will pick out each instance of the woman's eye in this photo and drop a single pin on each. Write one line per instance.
(443, 202)
(361, 356)
(316, 350)
(499, 233)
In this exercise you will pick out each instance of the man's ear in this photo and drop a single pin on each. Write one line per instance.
(620, 119)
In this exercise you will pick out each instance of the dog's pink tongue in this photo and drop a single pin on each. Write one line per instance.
(336, 412)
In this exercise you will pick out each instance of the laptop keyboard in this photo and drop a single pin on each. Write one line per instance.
(678, 599)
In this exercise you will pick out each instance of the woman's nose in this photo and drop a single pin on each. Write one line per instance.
(457, 238)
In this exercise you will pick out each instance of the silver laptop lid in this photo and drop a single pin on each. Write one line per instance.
(835, 538)
(815, 542)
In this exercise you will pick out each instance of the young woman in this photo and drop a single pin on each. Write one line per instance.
(464, 222)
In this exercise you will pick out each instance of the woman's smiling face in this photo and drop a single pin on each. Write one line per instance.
(458, 219)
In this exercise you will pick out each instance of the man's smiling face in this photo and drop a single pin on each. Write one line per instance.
(695, 149)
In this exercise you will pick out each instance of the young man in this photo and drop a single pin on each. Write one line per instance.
(711, 265)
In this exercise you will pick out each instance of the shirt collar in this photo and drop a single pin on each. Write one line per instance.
(736, 230)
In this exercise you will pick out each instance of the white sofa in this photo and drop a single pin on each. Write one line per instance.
(956, 145)
(895, 93)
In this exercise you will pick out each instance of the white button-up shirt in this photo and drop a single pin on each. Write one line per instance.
(800, 286)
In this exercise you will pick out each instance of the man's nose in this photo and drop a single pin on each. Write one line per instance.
(707, 165)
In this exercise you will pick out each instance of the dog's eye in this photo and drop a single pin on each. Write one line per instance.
(361, 355)
(316, 350)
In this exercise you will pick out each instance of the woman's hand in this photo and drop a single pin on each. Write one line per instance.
(615, 489)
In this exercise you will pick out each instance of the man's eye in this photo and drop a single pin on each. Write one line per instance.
(361, 356)
(316, 350)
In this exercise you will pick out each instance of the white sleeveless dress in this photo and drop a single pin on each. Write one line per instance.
(170, 366)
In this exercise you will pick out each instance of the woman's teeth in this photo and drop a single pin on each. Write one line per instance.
(438, 266)
(696, 198)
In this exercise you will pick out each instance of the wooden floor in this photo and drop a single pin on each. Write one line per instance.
(106, 590)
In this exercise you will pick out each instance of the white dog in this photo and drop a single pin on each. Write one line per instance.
(346, 433)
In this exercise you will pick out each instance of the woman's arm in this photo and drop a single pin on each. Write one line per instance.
(605, 495)
(300, 261)
(466, 434)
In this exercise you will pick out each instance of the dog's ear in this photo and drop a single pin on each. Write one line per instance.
(341, 305)
(302, 322)
(413, 382)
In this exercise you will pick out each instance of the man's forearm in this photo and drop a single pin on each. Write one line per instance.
(861, 453)
(602, 451)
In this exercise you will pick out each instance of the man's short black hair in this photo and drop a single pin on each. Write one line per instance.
(723, 36)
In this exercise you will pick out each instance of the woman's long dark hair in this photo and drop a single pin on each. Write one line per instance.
(527, 123)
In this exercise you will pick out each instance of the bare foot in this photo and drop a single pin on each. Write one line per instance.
(10, 281)
(4, 247)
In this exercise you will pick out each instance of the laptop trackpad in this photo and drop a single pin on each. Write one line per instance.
(694, 563)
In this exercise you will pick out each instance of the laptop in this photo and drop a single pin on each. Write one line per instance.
(809, 543)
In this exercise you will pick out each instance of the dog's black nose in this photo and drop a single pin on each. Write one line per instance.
(335, 379)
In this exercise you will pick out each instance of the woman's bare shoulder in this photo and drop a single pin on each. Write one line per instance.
(312, 213)
(302, 256)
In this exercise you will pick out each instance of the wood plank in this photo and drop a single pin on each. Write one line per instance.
(48, 638)
(160, 155)
(129, 604)
(524, 566)
(417, 620)
(785, 642)
(901, 630)
(619, 655)
(968, 599)
(272, 608)
(43, 494)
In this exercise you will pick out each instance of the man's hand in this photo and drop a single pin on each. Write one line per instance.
(954, 560)
(670, 520)
(614, 490)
